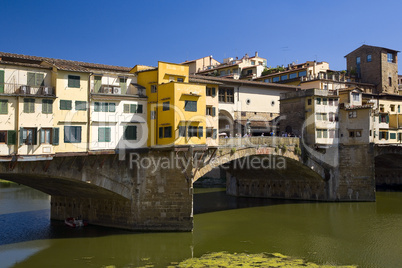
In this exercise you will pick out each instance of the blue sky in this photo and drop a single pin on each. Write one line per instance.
(127, 33)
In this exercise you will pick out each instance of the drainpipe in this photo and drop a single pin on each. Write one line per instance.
(89, 112)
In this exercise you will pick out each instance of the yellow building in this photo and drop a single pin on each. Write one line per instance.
(176, 108)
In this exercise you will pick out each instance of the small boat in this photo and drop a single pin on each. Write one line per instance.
(75, 222)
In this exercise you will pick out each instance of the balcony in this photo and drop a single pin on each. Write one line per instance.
(132, 89)
(18, 89)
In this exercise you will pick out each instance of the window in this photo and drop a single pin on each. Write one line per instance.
(190, 106)
(321, 116)
(47, 106)
(357, 60)
(275, 79)
(65, 104)
(153, 115)
(324, 101)
(29, 105)
(332, 133)
(192, 131)
(355, 96)
(130, 133)
(308, 101)
(132, 108)
(284, 77)
(72, 134)
(318, 100)
(46, 136)
(180, 80)
(336, 102)
(200, 132)
(104, 107)
(153, 88)
(390, 57)
(319, 133)
(226, 95)
(268, 80)
(167, 132)
(368, 58)
(3, 106)
(74, 81)
(80, 105)
(8, 137)
(302, 73)
(166, 106)
(390, 81)
(35, 79)
(253, 62)
(399, 109)
(97, 83)
(355, 133)
(383, 135)
(28, 136)
(211, 91)
(104, 134)
(352, 114)
(392, 108)
(331, 102)
(333, 117)
(383, 118)
(392, 136)
(211, 111)
(293, 75)
(211, 133)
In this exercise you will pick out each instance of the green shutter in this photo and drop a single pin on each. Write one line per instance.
(214, 133)
(55, 137)
(107, 134)
(39, 80)
(80, 105)
(11, 137)
(21, 141)
(65, 104)
(101, 134)
(133, 108)
(200, 132)
(3, 106)
(35, 136)
(213, 111)
(160, 132)
(123, 85)
(213, 92)
(126, 108)
(387, 118)
(41, 136)
(98, 83)
(97, 107)
(78, 134)
(139, 109)
(1, 81)
(73, 81)
(386, 135)
(31, 79)
(26, 106)
(112, 107)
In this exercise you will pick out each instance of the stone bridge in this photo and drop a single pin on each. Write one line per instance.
(152, 189)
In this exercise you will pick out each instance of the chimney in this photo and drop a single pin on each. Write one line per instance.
(256, 54)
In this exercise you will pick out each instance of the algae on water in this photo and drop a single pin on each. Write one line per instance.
(224, 259)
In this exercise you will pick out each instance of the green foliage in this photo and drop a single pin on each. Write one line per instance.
(272, 70)
(297, 150)
(284, 148)
(233, 150)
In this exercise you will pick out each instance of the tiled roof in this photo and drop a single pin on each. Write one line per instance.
(244, 82)
(67, 65)
(203, 81)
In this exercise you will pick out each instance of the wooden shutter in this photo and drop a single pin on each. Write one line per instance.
(101, 134)
(26, 106)
(67, 135)
(11, 137)
(41, 136)
(55, 138)
(182, 131)
(213, 111)
(2, 81)
(123, 85)
(107, 134)
(112, 107)
(160, 132)
(78, 134)
(213, 92)
(214, 133)
(31, 79)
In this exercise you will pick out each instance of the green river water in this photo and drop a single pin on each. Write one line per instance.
(367, 234)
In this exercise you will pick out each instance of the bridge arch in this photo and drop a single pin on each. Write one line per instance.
(283, 175)
(387, 166)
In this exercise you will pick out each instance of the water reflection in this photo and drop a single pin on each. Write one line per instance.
(367, 234)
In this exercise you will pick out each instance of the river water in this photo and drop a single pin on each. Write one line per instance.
(365, 234)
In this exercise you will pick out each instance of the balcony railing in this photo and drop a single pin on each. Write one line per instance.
(19, 89)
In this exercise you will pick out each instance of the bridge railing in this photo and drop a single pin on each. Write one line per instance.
(258, 141)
